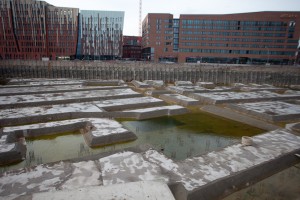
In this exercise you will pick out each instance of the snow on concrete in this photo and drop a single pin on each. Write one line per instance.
(127, 167)
(198, 171)
(235, 97)
(271, 107)
(51, 88)
(4, 146)
(187, 89)
(48, 97)
(46, 110)
(31, 180)
(145, 110)
(179, 99)
(139, 84)
(105, 126)
(239, 95)
(102, 126)
(49, 177)
(150, 190)
(118, 102)
(183, 83)
(209, 85)
(155, 83)
(85, 174)
(41, 81)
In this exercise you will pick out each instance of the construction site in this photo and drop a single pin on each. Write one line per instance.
(138, 130)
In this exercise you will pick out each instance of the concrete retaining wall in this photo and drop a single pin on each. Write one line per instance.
(67, 101)
(265, 116)
(176, 98)
(207, 100)
(139, 84)
(93, 141)
(223, 187)
(219, 74)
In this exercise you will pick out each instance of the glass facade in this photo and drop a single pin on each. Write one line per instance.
(100, 35)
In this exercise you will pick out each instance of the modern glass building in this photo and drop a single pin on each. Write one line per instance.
(100, 35)
(32, 29)
(248, 38)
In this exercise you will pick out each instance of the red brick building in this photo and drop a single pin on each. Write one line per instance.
(35, 29)
(132, 47)
(259, 37)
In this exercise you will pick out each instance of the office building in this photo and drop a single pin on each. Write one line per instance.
(35, 29)
(248, 38)
(100, 35)
(132, 47)
(62, 32)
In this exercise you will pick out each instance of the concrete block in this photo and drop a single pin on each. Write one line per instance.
(179, 99)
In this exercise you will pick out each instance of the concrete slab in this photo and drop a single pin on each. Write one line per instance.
(139, 84)
(65, 97)
(179, 99)
(155, 83)
(148, 113)
(49, 177)
(236, 116)
(127, 167)
(274, 111)
(150, 190)
(185, 90)
(236, 97)
(96, 131)
(207, 176)
(128, 103)
(208, 85)
(45, 81)
(183, 83)
(25, 90)
(46, 113)
(157, 92)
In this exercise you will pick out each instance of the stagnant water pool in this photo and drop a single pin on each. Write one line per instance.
(178, 137)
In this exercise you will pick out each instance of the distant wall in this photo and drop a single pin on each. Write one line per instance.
(128, 71)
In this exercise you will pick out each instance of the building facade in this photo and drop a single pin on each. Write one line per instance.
(132, 47)
(31, 29)
(100, 35)
(35, 29)
(62, 32)
(248, 38)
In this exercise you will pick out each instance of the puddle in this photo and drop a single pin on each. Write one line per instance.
(178, 137)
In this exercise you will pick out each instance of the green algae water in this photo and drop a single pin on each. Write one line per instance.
(178, 137)
(188, 135)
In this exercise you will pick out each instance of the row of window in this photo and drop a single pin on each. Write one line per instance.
(239, 39)
(234, 22)
(248, 28)
(235, 33)
(225, 51)
(238, 45)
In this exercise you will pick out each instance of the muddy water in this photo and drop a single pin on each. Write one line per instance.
(178, 137)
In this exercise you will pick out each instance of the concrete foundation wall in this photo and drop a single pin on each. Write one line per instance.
(67, 101)
(222, 188)
(219, 74)
(173, 98)
(265, 116)
(93, 141)
(207, 100)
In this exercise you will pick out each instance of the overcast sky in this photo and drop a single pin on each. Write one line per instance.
(177, 7)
